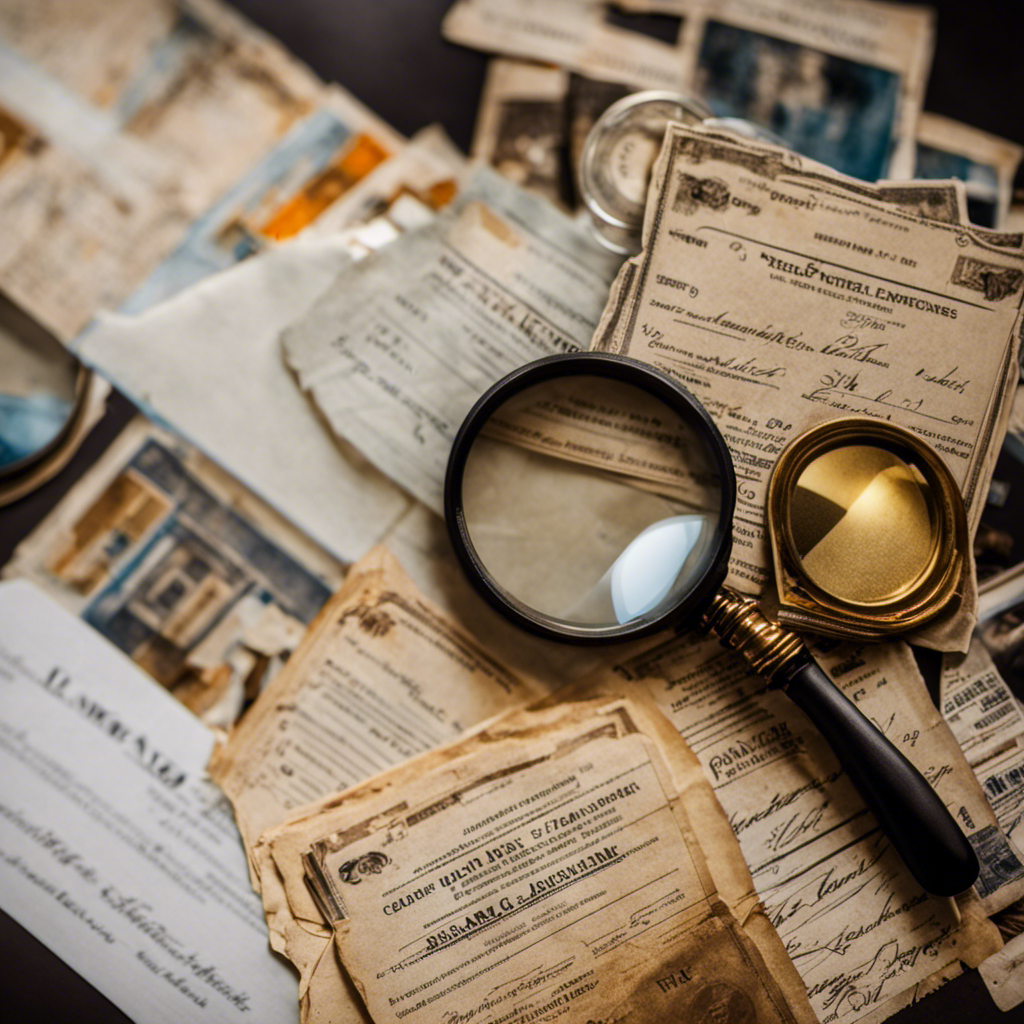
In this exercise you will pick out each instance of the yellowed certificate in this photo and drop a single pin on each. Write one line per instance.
(548, 872)
(783, 294)
(380, 676)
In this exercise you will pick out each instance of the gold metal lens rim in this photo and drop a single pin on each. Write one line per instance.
(923, 597)
(51, 459)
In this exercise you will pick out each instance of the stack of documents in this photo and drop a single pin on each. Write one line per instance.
(443, 817)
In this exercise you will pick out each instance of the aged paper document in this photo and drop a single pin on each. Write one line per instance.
(111, 147)
(977, 704)
(840, 81)
(859, 930)
(783, 294)
(229, 321)
(404, 342)
(380, 676)
(500, 750)
(255, 421)
(551, 873)
(1003, 975)
(987, 721)
(181, 568)
(115, 849)
(1002, 780)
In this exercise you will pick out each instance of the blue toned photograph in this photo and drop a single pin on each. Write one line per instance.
(180, 560)
(981, 180)
(831, 109)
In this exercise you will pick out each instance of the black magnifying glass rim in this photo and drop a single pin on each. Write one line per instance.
(656, 384)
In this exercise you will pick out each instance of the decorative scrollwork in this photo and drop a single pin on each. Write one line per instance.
(372, 863)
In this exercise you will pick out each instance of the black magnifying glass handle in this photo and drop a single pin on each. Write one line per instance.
(910, 812)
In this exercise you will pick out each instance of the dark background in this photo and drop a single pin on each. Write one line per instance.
(390, 54)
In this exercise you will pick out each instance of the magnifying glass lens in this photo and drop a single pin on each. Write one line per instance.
(38, 390)
(591, 503)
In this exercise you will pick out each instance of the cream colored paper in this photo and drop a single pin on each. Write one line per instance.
(781, 65)
(228, 324)
(535, 897)
(187, 572)
(255, 768)
(294, 918)
(281, 849)
(380, 676)
(858, 928)
(1003, 974)
(782, 294)
(977, 705)
(403, 343)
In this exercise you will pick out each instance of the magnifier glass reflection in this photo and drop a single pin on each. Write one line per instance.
(590, 499)
(593, 506)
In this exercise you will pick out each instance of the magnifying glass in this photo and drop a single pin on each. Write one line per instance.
(44, 395)
(589, 498)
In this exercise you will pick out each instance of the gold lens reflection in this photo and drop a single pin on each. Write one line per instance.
(864, 524)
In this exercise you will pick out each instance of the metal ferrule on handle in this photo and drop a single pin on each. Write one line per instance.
(738, 622)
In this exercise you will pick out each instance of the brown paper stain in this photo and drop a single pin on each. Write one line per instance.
(485, 217)
(978, 937)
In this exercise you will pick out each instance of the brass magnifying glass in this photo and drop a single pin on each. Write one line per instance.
(868, 530)
(589, 498)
